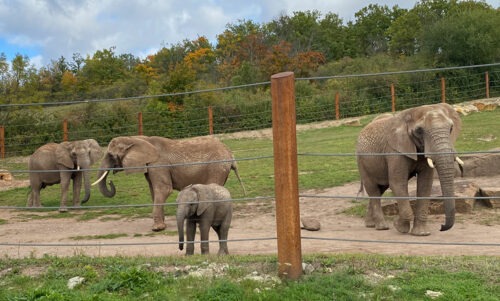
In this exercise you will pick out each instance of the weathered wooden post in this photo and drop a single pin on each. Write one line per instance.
(286, 175)
(65, 130)
(443, 90)
(210, 120)
(337, 106)
(139, 122)
(393, 98)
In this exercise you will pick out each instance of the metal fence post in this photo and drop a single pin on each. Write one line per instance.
(286, 175)
(393, 98)
(443, 90)
(337, 106)
(2, 142)
(487, 79)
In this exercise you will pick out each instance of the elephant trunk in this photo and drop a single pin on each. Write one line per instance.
(103, 173)
(86, 185)
(446, 173)
(180, 226)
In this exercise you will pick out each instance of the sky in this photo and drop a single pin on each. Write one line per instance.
(45, 30)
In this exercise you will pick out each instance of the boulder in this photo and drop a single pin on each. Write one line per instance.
(5, 175)
(490, 192)
(480, 165)
(310, 224)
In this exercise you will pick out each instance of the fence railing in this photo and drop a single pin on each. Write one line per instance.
(285, 115)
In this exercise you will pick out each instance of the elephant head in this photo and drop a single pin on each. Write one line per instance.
(79, 155)
(188, 204)
(131, 154)
(432, 131)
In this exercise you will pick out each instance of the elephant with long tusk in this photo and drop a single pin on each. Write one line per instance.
(394, 148)
(167, 164)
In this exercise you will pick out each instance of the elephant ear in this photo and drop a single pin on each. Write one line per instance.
(204, 199)
(455, 117)
(63, 154)
(94, 149)
(399, 134)
(139, 153)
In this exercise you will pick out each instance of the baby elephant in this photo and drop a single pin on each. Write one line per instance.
(209, 206)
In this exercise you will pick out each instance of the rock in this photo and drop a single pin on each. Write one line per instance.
(75, 281)
(307, 268)
(480, 165)
(310, 224)
(5, 175)
(433, 294)
(490, 192)
(465, 191)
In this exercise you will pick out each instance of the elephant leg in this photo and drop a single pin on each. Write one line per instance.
(204, 234)
(159, 191)
(375, 217)
(65, 181)
(402, 222)
(222, 234)
(424, 187)
(190, 234)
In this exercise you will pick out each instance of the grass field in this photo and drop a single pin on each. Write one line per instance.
(331, 276)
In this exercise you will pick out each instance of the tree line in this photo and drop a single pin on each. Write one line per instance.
(434, 33)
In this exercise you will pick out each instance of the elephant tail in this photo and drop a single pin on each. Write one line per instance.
(234, 167)
(361, 189)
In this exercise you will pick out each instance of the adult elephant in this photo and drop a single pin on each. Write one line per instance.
(55, 163)
(412, 142)
(167, 164)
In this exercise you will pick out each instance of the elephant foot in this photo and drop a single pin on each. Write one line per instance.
(382, 226)
(159, 227)
(402, 226)
(371, 223)
(420, 231)
(63, 210)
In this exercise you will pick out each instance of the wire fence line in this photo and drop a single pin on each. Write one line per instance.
(313, 105)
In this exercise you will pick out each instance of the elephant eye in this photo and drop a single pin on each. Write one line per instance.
(451, 129)
(419, 131)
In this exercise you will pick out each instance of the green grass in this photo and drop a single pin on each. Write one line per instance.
(334, 277)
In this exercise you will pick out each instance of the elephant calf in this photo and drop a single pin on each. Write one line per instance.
(208, 206)
(55, 163)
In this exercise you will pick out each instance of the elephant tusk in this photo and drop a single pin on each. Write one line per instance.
(429, 161)
(459, 161)
(78, 167)
(100, 179)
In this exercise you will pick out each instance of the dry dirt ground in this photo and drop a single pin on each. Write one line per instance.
(340, 233)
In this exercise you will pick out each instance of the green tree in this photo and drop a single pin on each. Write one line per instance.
(464, 37)
(370, 28)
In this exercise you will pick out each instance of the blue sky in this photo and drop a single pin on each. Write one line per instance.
(45, 30)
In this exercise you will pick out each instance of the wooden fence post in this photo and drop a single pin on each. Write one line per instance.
(286, 175)
(393, 98)
(210, 120)
(65, 130)
(337, 106)
(487, 79)
(2, 142)
(139, 122)
(443, 90)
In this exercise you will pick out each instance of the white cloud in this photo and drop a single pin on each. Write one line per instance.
(57, 27)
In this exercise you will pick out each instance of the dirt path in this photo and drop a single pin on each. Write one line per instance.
(251, 222)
